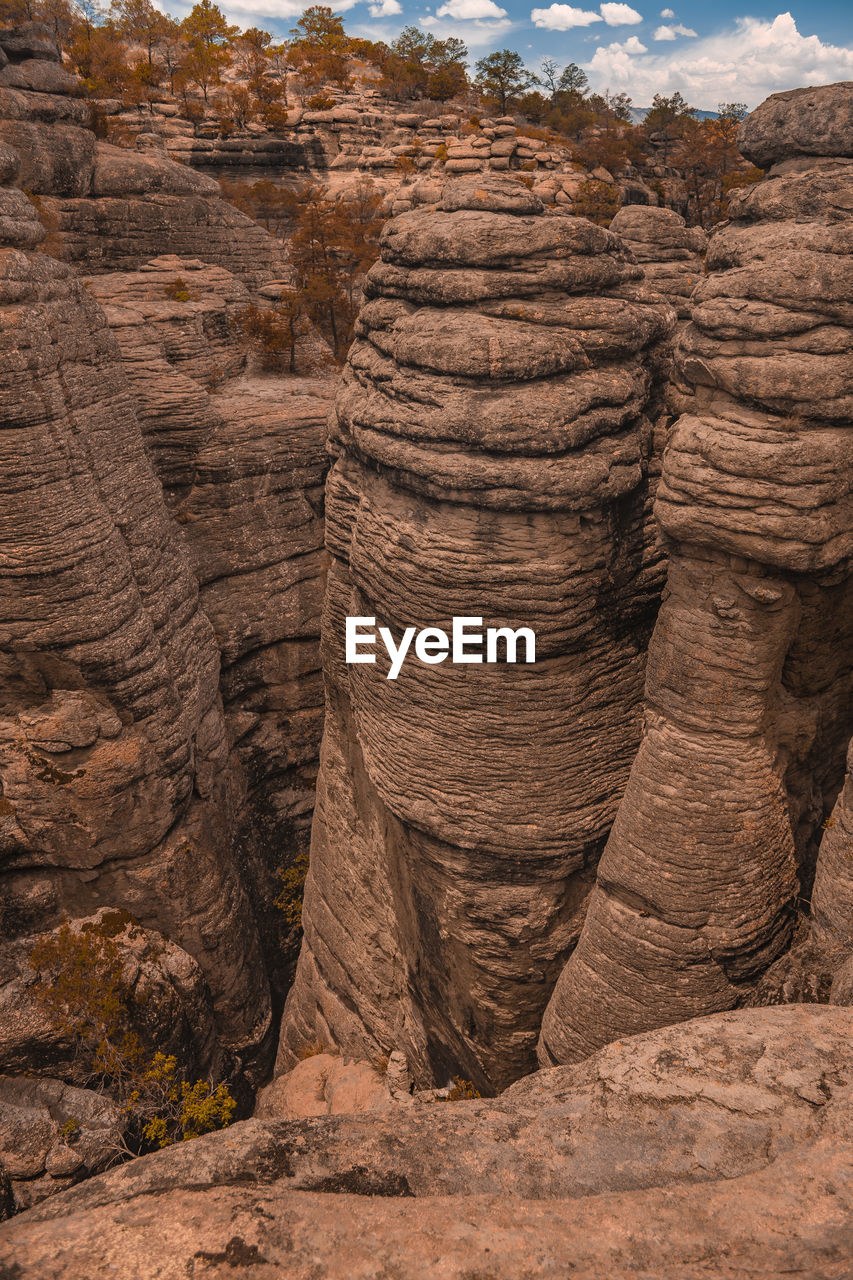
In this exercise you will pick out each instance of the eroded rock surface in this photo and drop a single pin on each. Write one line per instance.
(720, 1148)
(749, 698)
(53, 1135)
(670, 253)
(492, 459)
(242, 461)
(105, 206)
(126, 784)
(118, 787)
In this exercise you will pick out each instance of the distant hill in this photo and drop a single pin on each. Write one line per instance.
(638, 114)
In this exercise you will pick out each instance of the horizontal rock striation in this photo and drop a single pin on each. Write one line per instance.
(242, 461)
(725, 1140)
(117, 785)
(749, 698)
(670, 253)
(492, 453)
(105, 206)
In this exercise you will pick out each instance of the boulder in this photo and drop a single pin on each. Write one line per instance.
(324, 1084)
(126, 173)
(29, 40)
(667, 248)
(817, 121)
(53, 1135)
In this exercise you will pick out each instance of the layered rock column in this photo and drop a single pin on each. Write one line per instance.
(491, 461)
(749, 693)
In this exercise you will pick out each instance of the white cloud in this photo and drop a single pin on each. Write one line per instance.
(631, 45)
(469, 9)
(620, 15)
(562, 17)
(744, 63)
(669, 33)
(667, 13)
(476, 32)
(385, 9)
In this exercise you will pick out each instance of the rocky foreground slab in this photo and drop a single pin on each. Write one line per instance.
(722, 1147)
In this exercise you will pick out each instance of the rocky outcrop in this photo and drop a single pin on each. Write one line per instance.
(53, 1135)
(357, 133)
(324, 1084)
(491, 459)
(749, 698)
(118, 788)
(103, 205)
(726, 1140)
(671, 253)
(242, 460)
(812, 122)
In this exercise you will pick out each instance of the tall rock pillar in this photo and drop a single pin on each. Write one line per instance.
(492, 452)
(750, 680)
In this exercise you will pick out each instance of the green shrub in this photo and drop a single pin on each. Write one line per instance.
(81, 984)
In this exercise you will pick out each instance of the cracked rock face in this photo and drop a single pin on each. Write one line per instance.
(726, 1140)
(749, 698)
(492, 459)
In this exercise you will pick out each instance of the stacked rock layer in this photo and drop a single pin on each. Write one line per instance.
(114, 757)
(103, 205)
(242, 461)
(491, 461)
(162, 553)
(749, 697)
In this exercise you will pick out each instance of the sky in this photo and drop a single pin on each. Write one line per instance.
(722, 51)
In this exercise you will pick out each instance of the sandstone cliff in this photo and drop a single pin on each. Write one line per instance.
(163, 567)
(749, 696)
(492, 459)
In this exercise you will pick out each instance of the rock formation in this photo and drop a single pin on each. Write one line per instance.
(671, 253)
(720, 1148)
(53, 1135)
(242, 460)
(492, 453)
(749, 698)
(105, 206)
(125, 784)
(117, 788)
